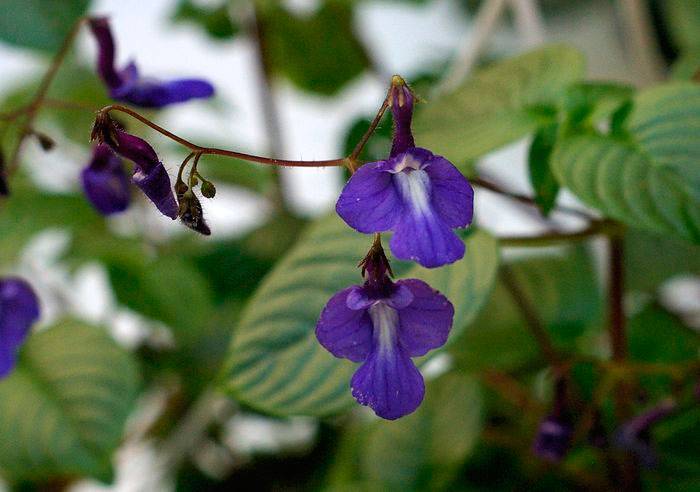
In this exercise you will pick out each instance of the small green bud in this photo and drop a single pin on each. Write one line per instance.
(208, 189)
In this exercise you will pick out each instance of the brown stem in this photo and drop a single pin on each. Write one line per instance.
(595, 228)
(215, 151)
(532, 318)
(33, 109)
(372, 127)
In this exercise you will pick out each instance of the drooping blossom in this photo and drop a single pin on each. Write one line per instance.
(635, 434)
(128, 85)
(150, 176)
(382, 324)
(418, 195)
(191, 214)
(556, 430)
(105, 182)
(19, 309)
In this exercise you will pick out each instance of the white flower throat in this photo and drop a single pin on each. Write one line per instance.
(385, 320)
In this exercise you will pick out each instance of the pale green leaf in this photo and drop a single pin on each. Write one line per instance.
(498, 105)
(63, 408)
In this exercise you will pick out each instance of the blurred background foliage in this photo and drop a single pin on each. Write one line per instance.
(224, 354)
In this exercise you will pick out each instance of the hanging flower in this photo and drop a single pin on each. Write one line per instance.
(418, 195)
(19, 309)
(129, 86)
(555, 431)
(383, 324)
(149, 175)
(105, 183)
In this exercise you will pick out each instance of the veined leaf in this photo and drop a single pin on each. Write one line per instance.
(498, 105)
(63, 408)
(652, 181)
(275, 362)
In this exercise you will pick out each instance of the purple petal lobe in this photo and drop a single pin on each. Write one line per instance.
(343, 331)
(135, 149)
(149, 93)
(553, 439)
(358, 298)
(105, 183)
(388, 381)
(453, 196)
(106, 52)
(425, 323)
(401, 296)
(156, 186)
(369, 202)
(19, 308)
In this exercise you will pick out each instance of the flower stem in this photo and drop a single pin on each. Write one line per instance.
(215, 151)
(595, 228)
(352, 158)
(32, 109)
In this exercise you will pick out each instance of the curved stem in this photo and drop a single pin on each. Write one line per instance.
(33, 109)
(215, 151)
(595, 228)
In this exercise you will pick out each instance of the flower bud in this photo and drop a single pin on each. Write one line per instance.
(555, 431)
(47, 143)
(401, 100)
(190, 212)
(208, 189)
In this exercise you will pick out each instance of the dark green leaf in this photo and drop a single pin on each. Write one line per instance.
(499, 105)
(275, 362)
(63, 409)
(40, 24)
(319, 53)
(215, 21)
(543, 181)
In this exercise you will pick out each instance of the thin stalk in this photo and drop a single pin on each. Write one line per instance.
(594, 229)
(32, 110)
(215, 151)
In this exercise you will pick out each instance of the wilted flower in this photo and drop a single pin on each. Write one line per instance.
(418, 195)
(383, 324)
(149, 173)
(635, 434)
(190, 212)
(128, 85)
(555, 431)
(19, 308)
(105, 183)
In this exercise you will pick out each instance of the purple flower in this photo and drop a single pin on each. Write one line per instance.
(635, 434)
(128, 85)
(555, 431)
(383, 324)
(418, 195)
(19, 308)
(149, 173)
(105, 182)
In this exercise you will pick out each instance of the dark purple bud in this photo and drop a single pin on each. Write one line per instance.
(402, 114)
(19, 309)
(129, 86)
(635, 434)
(105, 183)
(556, 431)
(149, 173)
(376, 270)
(190, 212)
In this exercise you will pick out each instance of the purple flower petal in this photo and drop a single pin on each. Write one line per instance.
(553, 438)
(426, 239)
(105, 183)
(156, 94)
(19, 308)
(388, 382)
(105, 55)
(345, 332)
(369, 202)
(453, 196)
(156, 186)
(425, 323)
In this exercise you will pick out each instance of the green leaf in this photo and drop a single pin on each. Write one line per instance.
(543, 181)
(63, 409)
(652, 181)
(275, 362)
(498, 105)
(585, 103)
(215, 21)
(564, 292)
(319, 53)
(424, 450)
(39, 24)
